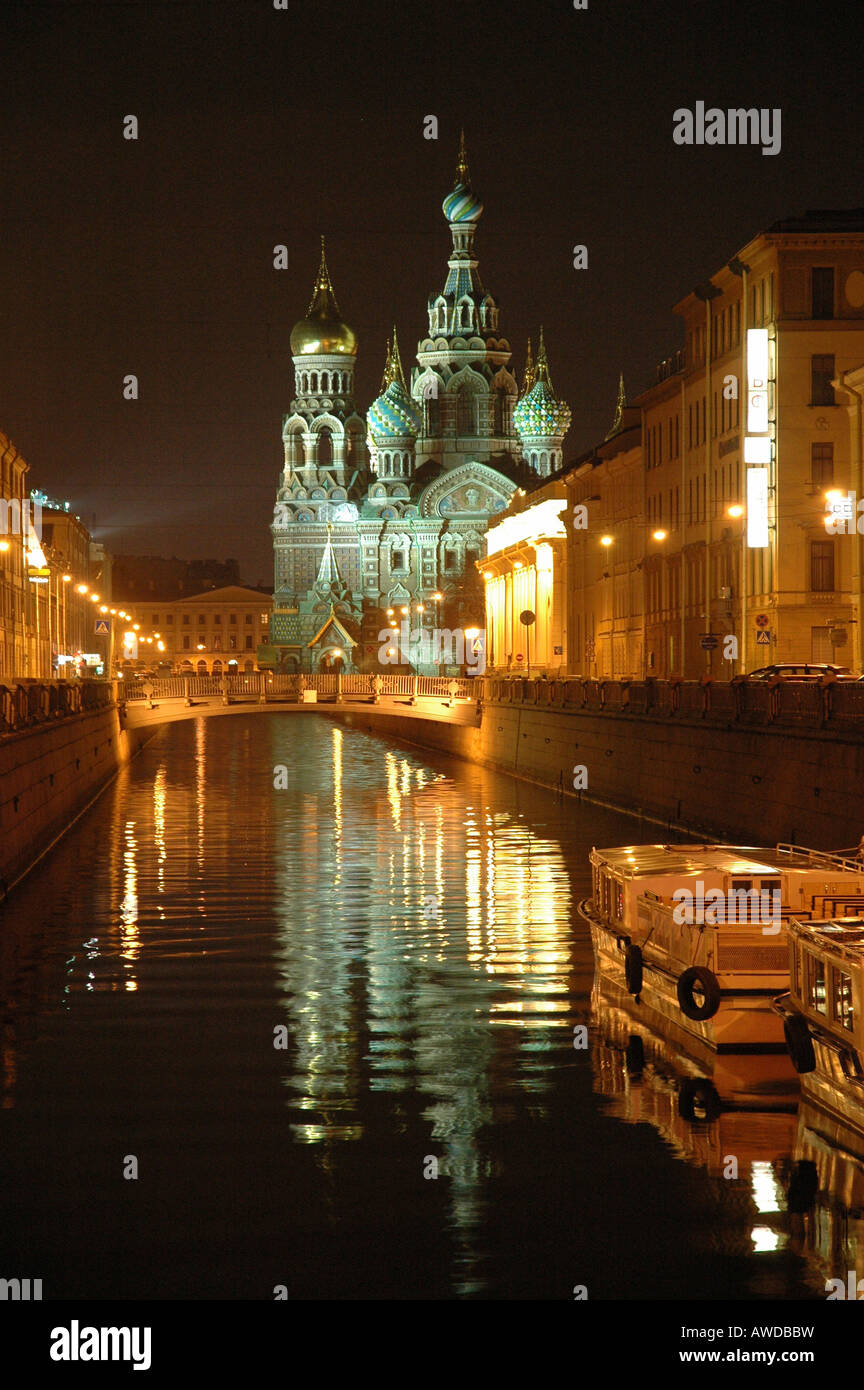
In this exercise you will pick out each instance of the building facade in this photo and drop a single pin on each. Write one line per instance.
(715, 535)
(379, 521)
(217, 632)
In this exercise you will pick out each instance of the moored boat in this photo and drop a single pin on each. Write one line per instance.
(823, 1021)
(697, 933)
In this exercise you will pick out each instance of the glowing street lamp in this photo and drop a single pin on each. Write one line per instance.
(735, 510)
(606, 540)
(659, 535)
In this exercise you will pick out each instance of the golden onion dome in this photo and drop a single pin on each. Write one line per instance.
(323, 331)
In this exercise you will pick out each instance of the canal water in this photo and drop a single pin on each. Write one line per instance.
(282, 974)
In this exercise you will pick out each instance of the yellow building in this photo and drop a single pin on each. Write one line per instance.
(212, 633)
(743, 434)
(702, 548)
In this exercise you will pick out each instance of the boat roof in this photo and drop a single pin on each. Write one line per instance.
(842, 935)
(643, 861)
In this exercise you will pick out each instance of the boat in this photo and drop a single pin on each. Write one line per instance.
(706, 1083)
(822, 1014)
(697, 933)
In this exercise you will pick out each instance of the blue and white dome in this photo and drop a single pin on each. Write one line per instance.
(462, 204)
(393, 415)
(540, 414)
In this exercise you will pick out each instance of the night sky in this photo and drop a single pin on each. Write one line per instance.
(260, 126)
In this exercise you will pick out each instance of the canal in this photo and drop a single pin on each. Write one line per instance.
(285, 972)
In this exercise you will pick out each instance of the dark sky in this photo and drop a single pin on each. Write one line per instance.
(260, 126)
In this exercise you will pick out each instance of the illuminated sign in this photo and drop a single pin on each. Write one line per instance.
(757, 508)
(38, 574)
(758, 449)
(542, 520)
(757, 380)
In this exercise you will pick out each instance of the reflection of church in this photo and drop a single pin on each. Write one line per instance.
(383, 518)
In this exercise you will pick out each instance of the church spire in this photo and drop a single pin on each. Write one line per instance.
(542, 373)
(386, 378)
(462, 174)
(530, 371)
(329, 578)
(323, 298)
(396, 363)
(620, 407)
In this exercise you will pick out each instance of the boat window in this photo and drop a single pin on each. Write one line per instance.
(743, 901)
(816, 984)
(851, 1065)
(619, 900)
(841, 992)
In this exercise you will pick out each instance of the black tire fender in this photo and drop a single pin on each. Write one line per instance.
(710, 988)
(633, 969)
(799, 1043)
(698, 1095)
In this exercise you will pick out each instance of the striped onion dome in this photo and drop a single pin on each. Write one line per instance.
(462, 205)
(393, 415)
(540, 413)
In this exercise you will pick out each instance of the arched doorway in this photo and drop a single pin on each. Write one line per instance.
(332, 661)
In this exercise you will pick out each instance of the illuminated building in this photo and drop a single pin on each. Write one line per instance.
(213, 633)
(747, 417)
(703, 547)
(389, 513)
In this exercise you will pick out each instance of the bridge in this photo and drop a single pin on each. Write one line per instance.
(815, 705)
(162, 701)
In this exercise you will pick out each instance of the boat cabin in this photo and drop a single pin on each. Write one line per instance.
(826, 985)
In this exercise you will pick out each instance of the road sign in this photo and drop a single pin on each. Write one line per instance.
(762, 620)
(102, 627)
(526, 617)
(710, 643)
(763, 638)
(519, 656)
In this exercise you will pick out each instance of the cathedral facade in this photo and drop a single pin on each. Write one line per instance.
(379, 521)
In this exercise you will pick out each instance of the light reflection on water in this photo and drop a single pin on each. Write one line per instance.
(411, 922)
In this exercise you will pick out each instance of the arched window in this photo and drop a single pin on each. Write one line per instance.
(465, 417)
(314, 381)
(502, 413)
(325, 448)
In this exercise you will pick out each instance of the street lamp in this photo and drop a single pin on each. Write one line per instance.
(659, 535)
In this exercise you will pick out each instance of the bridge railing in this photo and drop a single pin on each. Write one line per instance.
(805, 703)
(26, 703)
(278, 685)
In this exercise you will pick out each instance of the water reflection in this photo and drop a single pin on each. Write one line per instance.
(410, 921)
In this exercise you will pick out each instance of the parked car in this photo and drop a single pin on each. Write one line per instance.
(802, 671)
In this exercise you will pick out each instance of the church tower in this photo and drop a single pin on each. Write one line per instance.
(393, 426)
(462, 382)
(541, 419)
(323, 433)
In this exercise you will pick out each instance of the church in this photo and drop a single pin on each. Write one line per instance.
(379, 520)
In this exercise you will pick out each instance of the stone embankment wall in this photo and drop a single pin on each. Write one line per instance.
(747, 763)
(59, 750)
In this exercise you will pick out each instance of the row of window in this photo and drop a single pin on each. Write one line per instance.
(825, 988)
(215, 644)
(822, 575)
(449, 560)
(168, 620)
(663, 444)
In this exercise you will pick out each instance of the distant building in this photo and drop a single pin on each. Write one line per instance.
(215, 632)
